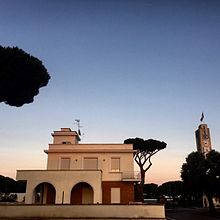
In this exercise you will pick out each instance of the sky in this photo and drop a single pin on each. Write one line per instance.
(125, 68)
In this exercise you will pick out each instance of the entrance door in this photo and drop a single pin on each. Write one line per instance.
(115, 195)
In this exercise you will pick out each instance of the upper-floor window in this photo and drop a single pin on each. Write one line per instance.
(90, 163)
(115, 164)
(65, 163)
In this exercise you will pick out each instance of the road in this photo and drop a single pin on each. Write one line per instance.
(191, 214)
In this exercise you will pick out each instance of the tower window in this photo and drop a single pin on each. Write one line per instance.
(66, 142)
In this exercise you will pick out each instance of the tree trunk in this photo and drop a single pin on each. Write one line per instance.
(211, 205)
(142, 184)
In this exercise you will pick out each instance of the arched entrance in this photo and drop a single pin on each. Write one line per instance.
(44, 193)
(82, 193)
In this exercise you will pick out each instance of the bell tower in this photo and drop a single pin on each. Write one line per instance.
(203, 138)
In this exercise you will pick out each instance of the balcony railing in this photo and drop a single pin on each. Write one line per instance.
(131, 176)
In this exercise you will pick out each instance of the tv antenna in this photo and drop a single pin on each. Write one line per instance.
(77, 122)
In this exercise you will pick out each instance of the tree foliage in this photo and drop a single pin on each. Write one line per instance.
(172, 189)
(21, 76)
(9, 185)
(150, 191)
(145, 149)
(213, 173)
(193, 174)
(201, 175)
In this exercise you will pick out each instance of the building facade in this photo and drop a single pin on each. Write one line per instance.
(203, 139)
(82, 173)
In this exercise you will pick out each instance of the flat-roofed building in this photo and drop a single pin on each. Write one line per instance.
(82, 173)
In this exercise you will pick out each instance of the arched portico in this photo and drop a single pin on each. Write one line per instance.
(82, 193)
(44, 193)
(61, 186)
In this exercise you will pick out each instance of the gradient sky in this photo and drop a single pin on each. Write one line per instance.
(125, 68)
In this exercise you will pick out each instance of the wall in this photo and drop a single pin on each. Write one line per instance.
(82, 211)
(63, 181)
(104, 158)
(65, 135)
(126, 191)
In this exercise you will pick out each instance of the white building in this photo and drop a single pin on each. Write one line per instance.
(82, 173)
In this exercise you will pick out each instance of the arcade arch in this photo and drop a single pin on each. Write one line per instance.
(82, 193)
(44, 193)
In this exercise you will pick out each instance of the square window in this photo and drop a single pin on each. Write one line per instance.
(90, 163)
(65, 163)
(115, 164)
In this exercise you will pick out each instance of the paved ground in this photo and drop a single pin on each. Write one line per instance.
(191, 214)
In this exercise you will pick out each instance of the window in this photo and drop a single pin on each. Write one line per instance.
(66, 142)
(65, 163)
(115, 164)
(90, 163)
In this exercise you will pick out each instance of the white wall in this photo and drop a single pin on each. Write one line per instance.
(63, 181)
(104, 153)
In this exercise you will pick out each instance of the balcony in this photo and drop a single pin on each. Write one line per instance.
(131, 176)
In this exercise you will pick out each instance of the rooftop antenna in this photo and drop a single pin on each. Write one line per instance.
(77, 122)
